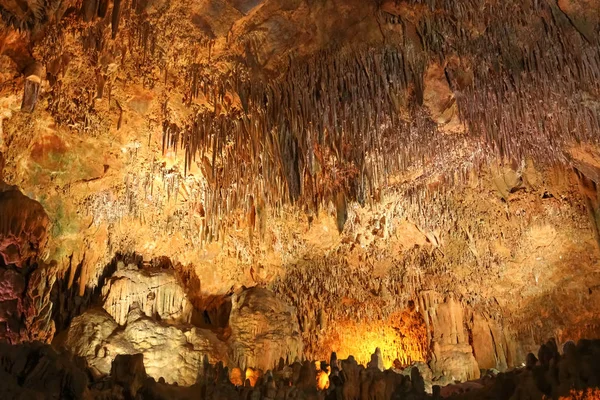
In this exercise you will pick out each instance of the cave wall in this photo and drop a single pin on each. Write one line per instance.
(405, 152)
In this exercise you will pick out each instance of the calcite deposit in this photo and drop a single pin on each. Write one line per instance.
(264, 330)
(173, 353)
(261, 329)
(341, 199)
(156, 293)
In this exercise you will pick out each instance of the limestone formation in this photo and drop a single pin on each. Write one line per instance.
(23, 227)
(263, 330)
(59, 375)
(129, 372)
(173, 353)
(26, 281)
(242, 187)
(156, 293)
(452, 354)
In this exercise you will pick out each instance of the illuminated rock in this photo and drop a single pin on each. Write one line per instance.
(452, 355)
(263, 330)
(173, 353)
(186, 129)
(376, 360)
(156, 292)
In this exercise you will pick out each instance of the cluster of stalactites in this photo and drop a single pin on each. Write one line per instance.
(535, 73)
(337, 126)
(332, 129)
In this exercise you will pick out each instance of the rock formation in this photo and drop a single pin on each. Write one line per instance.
(570, 374)
(25, 281)
(256, 184)
(172, 353)
(452, 357)
(261, 329)
(157, 293)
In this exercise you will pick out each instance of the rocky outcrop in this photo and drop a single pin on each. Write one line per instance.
(263, 330)
(37, 304)
(25, 281)
(452, 355)
(156, 292)
(173, 353)
(584, 15)
(37, 371)
(23, 226)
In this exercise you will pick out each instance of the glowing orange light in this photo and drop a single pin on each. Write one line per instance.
(402, 338)
(589, 394)
(252, 375)
(322, 380)
(235, 377)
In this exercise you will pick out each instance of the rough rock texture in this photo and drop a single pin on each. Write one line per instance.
(263, 330)
(23, 227)
(156, 293)
(25, 281)
(567, 375)
(129, 372)
(173, 353)
(352, 156)
(452, 358)
(489, 343)
(37, 371)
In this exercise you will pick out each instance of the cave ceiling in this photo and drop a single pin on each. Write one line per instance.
(374, 151)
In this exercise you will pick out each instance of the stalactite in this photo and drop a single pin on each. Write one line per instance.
(115, 17)
(344, 122)
(89, 9)
(102, 8)
(31, 89)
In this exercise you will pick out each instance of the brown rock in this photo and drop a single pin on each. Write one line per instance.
(23, 224)
(439, 99)
(173, 353)
(263, 330)
(452, 355)
(488, 343)
(584, 15)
